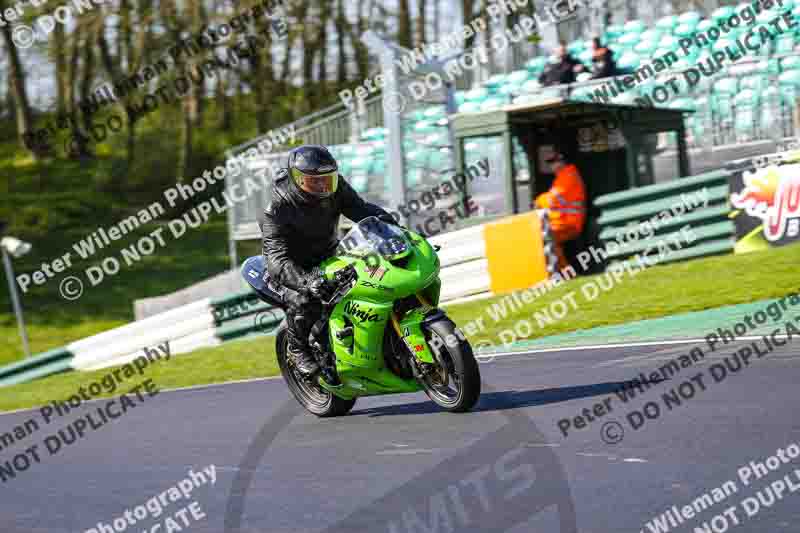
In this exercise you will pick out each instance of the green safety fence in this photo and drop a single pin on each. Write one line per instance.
(644, 219)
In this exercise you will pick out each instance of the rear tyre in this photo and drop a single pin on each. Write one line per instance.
(307, 392)
(455, 385)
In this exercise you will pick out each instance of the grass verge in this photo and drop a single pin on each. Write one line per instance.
(655, 292)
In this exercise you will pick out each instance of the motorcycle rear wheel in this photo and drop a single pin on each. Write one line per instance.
(310, 395)
(460, 369)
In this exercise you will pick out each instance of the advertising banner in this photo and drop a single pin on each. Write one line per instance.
(765, 200)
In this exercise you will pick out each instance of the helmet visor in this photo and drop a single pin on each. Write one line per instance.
(322, 185)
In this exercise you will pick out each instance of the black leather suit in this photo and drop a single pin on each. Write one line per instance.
(299, 232)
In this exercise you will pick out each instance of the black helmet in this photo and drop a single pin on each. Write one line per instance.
(314, 170)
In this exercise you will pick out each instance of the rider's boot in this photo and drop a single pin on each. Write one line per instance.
(303, 358)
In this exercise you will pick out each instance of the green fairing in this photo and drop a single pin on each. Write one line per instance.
(368, 308)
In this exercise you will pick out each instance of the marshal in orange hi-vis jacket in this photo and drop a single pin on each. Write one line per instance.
(566, 202)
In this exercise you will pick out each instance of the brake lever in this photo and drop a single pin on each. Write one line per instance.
(345, 278)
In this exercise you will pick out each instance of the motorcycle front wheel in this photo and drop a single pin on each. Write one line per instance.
(455, 382)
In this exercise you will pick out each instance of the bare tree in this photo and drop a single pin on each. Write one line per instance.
(16, 74)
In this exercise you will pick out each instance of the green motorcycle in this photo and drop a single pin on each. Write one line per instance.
(381, 332)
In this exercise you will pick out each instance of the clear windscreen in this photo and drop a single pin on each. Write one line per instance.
(374, 236)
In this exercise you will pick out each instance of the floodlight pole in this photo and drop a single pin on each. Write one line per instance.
(12, 287)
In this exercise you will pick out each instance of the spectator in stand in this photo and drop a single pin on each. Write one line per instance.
(561, 69)
(603, 65)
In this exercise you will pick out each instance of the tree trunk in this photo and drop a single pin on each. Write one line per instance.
(60, 63)
(404, 25)
(467, 9)
(421, 23)
(341, 56)
(16, 73)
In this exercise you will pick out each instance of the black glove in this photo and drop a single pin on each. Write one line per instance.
(318, 286)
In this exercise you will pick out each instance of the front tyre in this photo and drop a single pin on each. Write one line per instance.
(455, 383)
(307, 392)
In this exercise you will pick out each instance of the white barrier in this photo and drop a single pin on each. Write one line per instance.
(466, 279)
(110, 346)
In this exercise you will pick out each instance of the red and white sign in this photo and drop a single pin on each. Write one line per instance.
(773, 195)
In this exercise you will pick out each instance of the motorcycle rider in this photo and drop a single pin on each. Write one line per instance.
(299, 232)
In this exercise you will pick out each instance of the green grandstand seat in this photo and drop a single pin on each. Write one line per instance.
(789, 63)
(691, 18)
(646, 48)
(629, 60)
(722, 13)
(518, 77)
(359, 163)
(747, 97)
(684, 30)
(661, 52)
(459, 98)
(704, 25)
(374, 134)
(652, 34)
(360, 182)
(364, 150)
(784, 45)
(613, 32)
(771, 97)
(789, 94)
(414, 177)
(576, 47)
(700, 103)
(435, 112)
(378, 166)
(721, 44)
(439, 159)
(667, 23)
(682, 103)
(477, 95)
(494, 102)
(510, 89)
(346, 149)
(669, 42)
(726, 86)
(634, 26)
(680, 65)
(628, 40)
(530, 86)
(765, 17)
(790, 77)
(496, 81)
(536, 64)
(722, 105)
(756, 83)
(435, 138)
(425, 126)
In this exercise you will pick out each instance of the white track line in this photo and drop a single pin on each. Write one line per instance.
(489, 355)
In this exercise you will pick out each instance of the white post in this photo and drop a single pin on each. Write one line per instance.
(12, 287)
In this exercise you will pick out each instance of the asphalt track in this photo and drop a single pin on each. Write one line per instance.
(395, 459)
